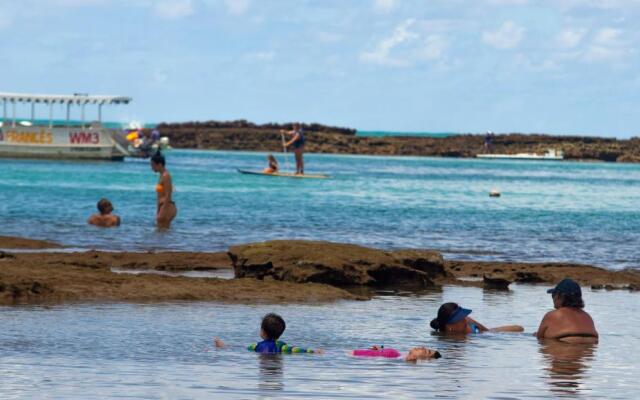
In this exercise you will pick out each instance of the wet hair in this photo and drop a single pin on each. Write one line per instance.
(273, 326)
(444, 313)
(437, 355)
(103, 204)
(158, 159)
(272, 158)
(571, 300)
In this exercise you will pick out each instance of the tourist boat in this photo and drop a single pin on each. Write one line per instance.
(550, 155)
(61, 140)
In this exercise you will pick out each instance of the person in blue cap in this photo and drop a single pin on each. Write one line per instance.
(568, 322)
(454, 319)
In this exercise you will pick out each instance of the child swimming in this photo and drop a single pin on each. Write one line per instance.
(413, 355)
(271, 329)
(273, 165)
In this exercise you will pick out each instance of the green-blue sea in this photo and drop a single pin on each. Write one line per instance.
(548, 211)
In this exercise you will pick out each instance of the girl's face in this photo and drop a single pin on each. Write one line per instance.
(458, 327)
(155, 167)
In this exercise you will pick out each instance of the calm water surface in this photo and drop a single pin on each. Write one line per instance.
(549, 211)
(165, 351)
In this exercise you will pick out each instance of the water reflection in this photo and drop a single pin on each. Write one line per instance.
(568, 364)
(271, 373)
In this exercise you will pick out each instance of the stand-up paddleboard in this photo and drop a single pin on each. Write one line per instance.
(285, 175)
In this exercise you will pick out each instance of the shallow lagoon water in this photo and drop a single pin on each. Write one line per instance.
(549, 211)
(158, 351)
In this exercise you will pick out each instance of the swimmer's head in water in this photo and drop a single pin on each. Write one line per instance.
(271, 158)
(272, 326)
(422, 353)
(104, 206)
(449, 313)
(157, 161)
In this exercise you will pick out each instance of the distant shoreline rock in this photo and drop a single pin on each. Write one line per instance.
(246, 136)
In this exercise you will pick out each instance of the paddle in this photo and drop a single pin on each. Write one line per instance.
(284, 149)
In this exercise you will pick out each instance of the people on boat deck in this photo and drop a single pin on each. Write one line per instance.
(568, 322)
(488, 142)
(104, 218)
(271, 329)
(454, 319)
(273, 165)
(166, 209)
(297, 144)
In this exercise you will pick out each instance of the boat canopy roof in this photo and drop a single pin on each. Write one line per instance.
(76, 98)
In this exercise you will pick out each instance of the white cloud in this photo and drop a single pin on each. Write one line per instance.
(5, 21)
(597, 4)
(76, 3)
(384, 6)
(327, 37)
(508, 36)
(261, 56)
(160, 76)
(237, 7)
(607, 45)
(570, 38)
(382, 53)
(434, 47)
(173, 9)
(508, 2)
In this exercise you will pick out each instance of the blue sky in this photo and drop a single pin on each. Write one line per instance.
(553, 66)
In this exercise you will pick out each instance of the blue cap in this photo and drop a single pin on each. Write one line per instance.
(458, 315)
(566, 286)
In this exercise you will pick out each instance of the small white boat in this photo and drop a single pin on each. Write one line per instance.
(550, 155)
(28, 139)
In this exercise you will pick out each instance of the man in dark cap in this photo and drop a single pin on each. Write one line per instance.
(568, 322)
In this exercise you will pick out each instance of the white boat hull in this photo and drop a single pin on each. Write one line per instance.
(519, 157)
(66, 143)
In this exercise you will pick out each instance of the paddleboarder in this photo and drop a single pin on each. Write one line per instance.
(297, 144)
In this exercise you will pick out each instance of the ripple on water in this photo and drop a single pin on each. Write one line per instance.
(165, 350)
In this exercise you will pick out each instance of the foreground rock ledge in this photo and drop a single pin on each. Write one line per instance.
(82, 277)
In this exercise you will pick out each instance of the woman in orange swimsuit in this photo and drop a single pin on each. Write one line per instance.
(166, 210)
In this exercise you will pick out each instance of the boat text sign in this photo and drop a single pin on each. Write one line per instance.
(58, 136)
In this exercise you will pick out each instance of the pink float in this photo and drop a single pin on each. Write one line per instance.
(386, 353)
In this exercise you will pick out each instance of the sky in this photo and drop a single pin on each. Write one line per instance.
(531, 66)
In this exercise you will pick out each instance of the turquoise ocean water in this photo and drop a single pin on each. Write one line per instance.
(549, 211)
(555, 211)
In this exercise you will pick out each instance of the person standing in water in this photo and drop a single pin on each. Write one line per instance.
(297, 144)
(166, 210)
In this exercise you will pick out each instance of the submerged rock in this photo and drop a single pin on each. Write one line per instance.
(337, 264)
(495, 283)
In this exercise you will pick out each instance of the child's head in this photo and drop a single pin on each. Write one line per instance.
(104, 206)
(271, 158)
(272, 326)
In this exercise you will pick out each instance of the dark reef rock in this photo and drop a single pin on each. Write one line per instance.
(495, 283)
(247, 136)
(337, 264)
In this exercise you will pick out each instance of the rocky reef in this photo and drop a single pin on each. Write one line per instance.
(269, 272)
(337, 264)
(246, 136)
